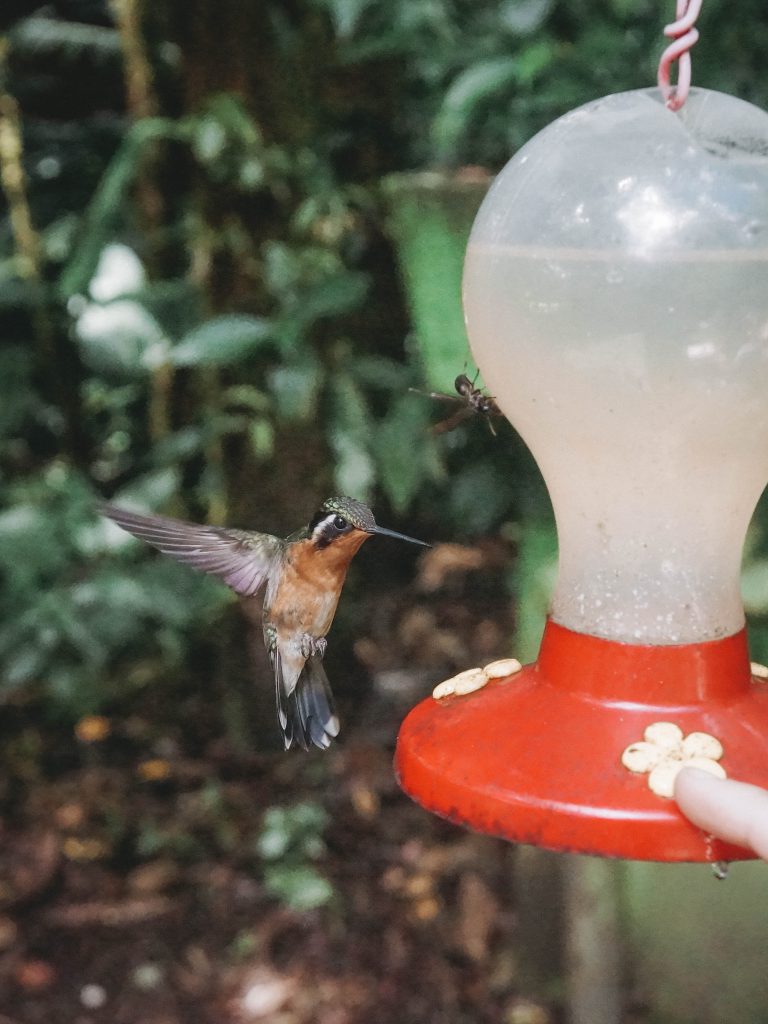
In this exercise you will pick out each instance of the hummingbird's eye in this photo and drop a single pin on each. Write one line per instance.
(340, 523)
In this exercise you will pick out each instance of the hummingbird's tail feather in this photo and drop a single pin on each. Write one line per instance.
(315, 707)
(281, 698)
(307, 714)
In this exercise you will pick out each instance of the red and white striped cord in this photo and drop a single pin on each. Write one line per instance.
(684, 35)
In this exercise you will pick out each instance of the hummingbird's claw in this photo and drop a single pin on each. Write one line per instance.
(312, 645)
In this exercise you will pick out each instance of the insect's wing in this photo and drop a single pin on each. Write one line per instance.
(242, 559)
(440, 395)
(453, 421)
(491, 412)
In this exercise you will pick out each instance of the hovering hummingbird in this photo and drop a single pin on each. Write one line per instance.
(304, 575)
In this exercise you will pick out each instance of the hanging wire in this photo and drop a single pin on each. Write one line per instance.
(684, 35)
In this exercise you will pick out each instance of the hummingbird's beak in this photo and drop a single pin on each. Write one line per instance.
(383, 532)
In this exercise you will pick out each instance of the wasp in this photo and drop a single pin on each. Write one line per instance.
(474, 402)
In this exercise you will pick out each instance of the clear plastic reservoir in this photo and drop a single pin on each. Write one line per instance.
(616, 297)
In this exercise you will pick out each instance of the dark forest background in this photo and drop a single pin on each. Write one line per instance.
(207, 306)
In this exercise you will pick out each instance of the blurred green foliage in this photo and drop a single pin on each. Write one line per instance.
(200, 305)
(289, 842)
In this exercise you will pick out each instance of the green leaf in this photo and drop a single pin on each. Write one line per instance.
(300, 887)
(209, 139)
(261, 435)
(176, 304)
(533, 60)
(334, 295)
(354, 472)
(533, 580)
(296, 389)
(180, 446)
(297, 829)
(380, 372)
(430, 216)
(339, 293)
(246, 396)
(54, 37)
(346, 15)
(152, 490)
(525, 16)
(473, 86)
(754, 587)
(104, 213)
(275, 837)
(627, 10)
(405, 451)
(23, 666)
(222, 341)
(177, 596)
(349, 432)
(29, 547)
(479, 498)
(231, 112)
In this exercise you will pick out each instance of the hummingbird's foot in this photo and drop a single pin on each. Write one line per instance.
(313, 645)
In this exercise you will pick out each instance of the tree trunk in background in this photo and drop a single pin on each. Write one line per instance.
(594, 970)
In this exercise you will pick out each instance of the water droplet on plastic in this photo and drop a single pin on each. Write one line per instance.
(720, 870)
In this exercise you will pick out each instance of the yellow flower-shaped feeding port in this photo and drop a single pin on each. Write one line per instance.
(476, 678)
(665, 749)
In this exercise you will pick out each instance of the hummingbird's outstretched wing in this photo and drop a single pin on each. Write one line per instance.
(244, 560)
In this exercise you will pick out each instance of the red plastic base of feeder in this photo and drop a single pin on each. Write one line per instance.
(536, 758)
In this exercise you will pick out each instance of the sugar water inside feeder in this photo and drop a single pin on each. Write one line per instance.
(616, 297)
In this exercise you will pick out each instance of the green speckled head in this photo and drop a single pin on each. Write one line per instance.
(338, 515)
(355, 512)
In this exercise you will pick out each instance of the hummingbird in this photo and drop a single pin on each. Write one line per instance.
(304, 575)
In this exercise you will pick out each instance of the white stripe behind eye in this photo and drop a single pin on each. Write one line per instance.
(323, 527)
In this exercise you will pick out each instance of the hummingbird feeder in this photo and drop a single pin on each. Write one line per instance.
(616, 300)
